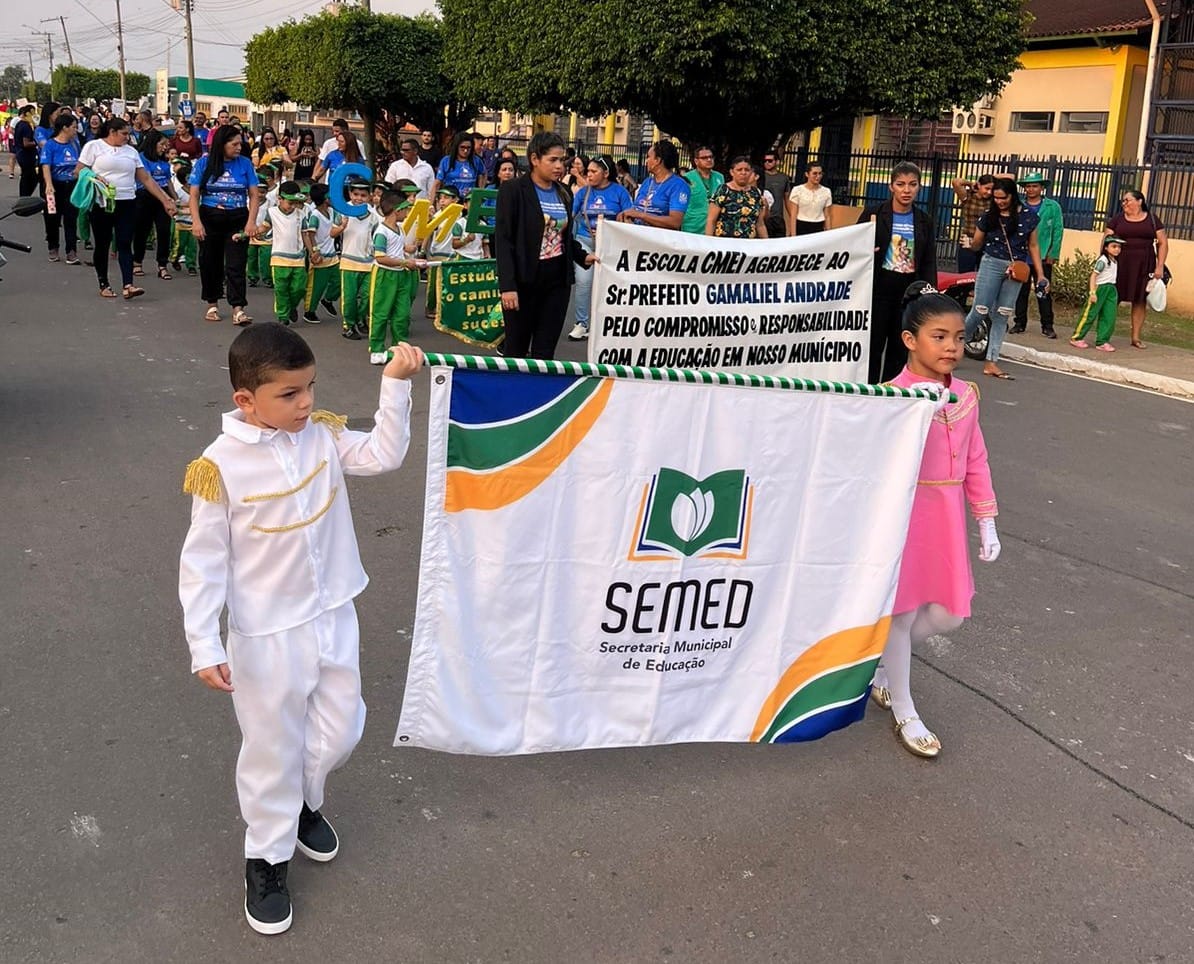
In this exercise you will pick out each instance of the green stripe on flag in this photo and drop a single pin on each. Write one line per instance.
(838, 686)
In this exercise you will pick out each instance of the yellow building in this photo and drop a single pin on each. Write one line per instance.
(1081, 90)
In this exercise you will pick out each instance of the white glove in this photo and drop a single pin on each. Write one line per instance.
(988, 551)
(937, 390)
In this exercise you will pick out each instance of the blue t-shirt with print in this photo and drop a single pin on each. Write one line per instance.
(998, 238)
(333, 161)
(61, 159)
(42, 135)
(462, 175)
(159, 170)
(901, 246)
(230, 189)
(662, 199)
(592, 204)
(555, 218)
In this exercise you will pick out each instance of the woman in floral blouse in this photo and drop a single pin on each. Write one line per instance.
(736, 209)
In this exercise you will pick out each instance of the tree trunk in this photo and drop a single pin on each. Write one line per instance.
(369, 117)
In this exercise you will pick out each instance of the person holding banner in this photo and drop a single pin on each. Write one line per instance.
(662, 198)
(905, 251)
(533, 245)
(936, 584)
(737, 209)
(600, 198)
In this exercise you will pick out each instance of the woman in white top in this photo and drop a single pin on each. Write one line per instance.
(808, 204)
(119, 166)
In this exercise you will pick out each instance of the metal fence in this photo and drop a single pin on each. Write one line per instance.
(1088, 189)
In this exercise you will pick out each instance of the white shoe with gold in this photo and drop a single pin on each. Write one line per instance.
(924, 744)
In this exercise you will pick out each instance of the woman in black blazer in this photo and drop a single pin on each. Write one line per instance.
(535, 249)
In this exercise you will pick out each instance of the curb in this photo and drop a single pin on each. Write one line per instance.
(1176, 387)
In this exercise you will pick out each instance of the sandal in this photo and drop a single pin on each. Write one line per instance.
(213, 314)
(138, 271)
(1139, 344)
(132, 291)
(240, 318)
(165, 275)
(923, 746)
(1003, 375)
(107, 292)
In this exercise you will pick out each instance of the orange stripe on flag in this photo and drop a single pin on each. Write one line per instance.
(839, 649)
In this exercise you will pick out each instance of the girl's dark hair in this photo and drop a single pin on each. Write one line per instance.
(540, 144)
(1008, 187)
(259, 353)
(1139, 197)
(502, 162)
(584, 160)
(352, 153)
(62, 121)
(261, 143)
(921, 302)
(623, 166)
(47, 112)
(215, 152)
(113, 123)
(185, 125)
(606, 163)
(304, 134)
(666, 154)
(149, 144)
(463, 137)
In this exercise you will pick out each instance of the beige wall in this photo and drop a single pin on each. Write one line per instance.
(1053, 89)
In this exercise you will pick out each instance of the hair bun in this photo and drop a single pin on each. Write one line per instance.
(916, 290)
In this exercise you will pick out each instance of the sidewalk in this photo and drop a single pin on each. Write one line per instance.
(1159, 368)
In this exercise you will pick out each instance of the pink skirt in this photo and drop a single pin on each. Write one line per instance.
(936, 562)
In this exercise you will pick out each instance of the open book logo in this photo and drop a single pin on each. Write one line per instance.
(680, 515)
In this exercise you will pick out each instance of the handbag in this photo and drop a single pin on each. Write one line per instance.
(1019, 269)
(1166, 274)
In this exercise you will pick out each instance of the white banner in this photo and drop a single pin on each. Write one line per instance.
(723, 570)
(797, 307)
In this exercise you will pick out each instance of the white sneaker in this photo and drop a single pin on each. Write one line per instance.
(377, 358)
(579, 332)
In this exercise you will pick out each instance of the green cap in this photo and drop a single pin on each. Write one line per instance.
(1036, 177)
(1113, 239)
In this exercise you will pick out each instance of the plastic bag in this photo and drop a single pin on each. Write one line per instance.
(1157, 296)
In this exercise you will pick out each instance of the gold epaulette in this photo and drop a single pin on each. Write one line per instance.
(335, 423)
(203, 479)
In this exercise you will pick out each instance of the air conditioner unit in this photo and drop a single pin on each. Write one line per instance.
(964, 121)
(984, 125)
(986, 103)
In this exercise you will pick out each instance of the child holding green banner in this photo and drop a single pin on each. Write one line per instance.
(394, 275)
(356, 263)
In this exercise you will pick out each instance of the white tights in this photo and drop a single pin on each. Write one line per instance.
(895, 669)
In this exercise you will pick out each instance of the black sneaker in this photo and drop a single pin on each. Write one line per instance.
(1016, 330)
(176, 265)
(316, 838)
(191, 272)
(293, 315)
(269, 282)
(252, 282)
(328, 306)
(267, 901)
(351, 334)
(362, 328)
(310, 318)
(1049, 333)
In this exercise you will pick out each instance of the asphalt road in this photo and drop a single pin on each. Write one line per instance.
(1057, 826)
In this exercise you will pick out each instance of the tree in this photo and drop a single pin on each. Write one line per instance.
(735, 75)
(11, 80)
(37, 91)
(73, 83)
(351, 59)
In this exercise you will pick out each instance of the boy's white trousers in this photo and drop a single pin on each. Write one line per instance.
(297, 696)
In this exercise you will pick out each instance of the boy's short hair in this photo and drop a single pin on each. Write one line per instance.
(404, 185)
(183, 169)
(390, 202)
(319, 193)
(291, 191)
(359, 185)
(448, 190)
(267, 171)
(905, 169)
(261, 351)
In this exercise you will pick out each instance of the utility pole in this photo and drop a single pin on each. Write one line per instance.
(120, 51)
(187, 4)
(65, 38)
(31, 76)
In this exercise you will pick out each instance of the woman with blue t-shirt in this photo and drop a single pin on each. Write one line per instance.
(662, 198)
(535, 251)
(459, 168)
(224, 201)
(600, 197)
(1006, 235)
(58, 158)
(150, 214)
(346, 152)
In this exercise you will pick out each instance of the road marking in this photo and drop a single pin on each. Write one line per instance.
(1101, 381)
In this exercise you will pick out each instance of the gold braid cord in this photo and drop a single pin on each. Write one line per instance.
(203, 480)
(335, 423)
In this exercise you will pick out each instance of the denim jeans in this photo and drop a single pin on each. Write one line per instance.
(584, 286)
(994, 297)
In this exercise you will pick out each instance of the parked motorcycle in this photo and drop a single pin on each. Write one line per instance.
(22, 207)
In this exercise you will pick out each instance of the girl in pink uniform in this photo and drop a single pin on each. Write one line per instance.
(936, 585)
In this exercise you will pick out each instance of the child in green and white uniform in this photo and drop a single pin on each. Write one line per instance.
(394, 274)
(288, 257)
(1104, 298)
(258, 267)
(183, 247)
(320, 230)
(458, 244)
(356, 263)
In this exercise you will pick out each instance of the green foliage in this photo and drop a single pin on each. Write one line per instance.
(729, 73)
(1071, 279)
(11, 79)
(37, 91)
(73, 83)
(353, 59)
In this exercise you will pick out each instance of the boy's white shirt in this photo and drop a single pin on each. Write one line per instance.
(280, 548)
(286, 232)
(324, 243)
(356, 243)
(182, 202)
(395, 244)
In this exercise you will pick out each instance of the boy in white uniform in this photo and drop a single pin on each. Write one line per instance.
(272, 540)
(356, 263)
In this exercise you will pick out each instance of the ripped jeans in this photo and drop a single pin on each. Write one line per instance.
(995, 297)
